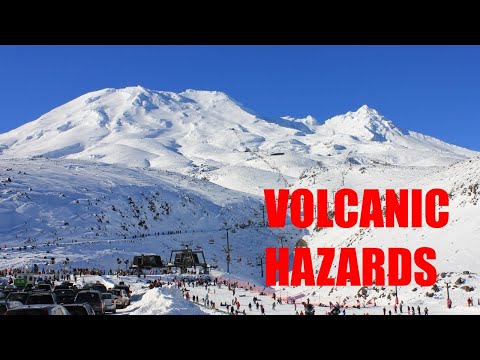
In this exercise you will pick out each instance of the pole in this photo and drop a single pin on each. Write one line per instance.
(227, 250)
(449, 302)
(228, 255)
(396, 294)
(261, 265)
(263, 214)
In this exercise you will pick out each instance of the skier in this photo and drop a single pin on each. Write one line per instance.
(395, 308)
(389, 312)
(401, 307)
(250, 306)
(419, 310)
(384, 311)
(262, 309)
(273, 306)
(426, 310)
(409, 310)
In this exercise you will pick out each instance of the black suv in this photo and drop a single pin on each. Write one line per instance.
(18, 296)
(65, 296)
(92, 298)
(41, 298)
(96, 286)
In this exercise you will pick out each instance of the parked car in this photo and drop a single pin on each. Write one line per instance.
(41, 298)
(7, 305)
(79, 309)
(44, 287)
(122, 285)
(122, 300)
(39, 309)
(65, 296)
(109, 303)
(95, 286)
(18, 296)
(93, 298)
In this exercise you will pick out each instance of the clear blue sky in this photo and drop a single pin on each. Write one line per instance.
(434, 90)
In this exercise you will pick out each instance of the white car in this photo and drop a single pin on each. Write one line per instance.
(109, 303)
(122, 300)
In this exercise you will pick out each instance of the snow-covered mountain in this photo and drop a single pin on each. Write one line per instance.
(209, 135)
(121, 171)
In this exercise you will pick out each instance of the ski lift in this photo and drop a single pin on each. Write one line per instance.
(186, 258)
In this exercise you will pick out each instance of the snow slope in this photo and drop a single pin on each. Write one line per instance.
(207, 134)
(94, 213)
(456, 244)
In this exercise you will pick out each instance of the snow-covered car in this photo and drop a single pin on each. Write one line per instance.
(109, 303)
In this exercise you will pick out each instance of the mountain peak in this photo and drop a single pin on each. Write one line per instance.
(365, 109)
(365, 123)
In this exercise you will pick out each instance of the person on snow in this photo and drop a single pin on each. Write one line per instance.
(419, 310)
(426, 310)
(273, 306)
(262, 309)
(384, 311)
(395, 308)
(250, 306)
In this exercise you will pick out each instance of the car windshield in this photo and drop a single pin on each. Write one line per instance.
(106, 296)
(39, 299)
(27, 312)
(87, 297)
(76, 310)
(65, 292)
(17, 297)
